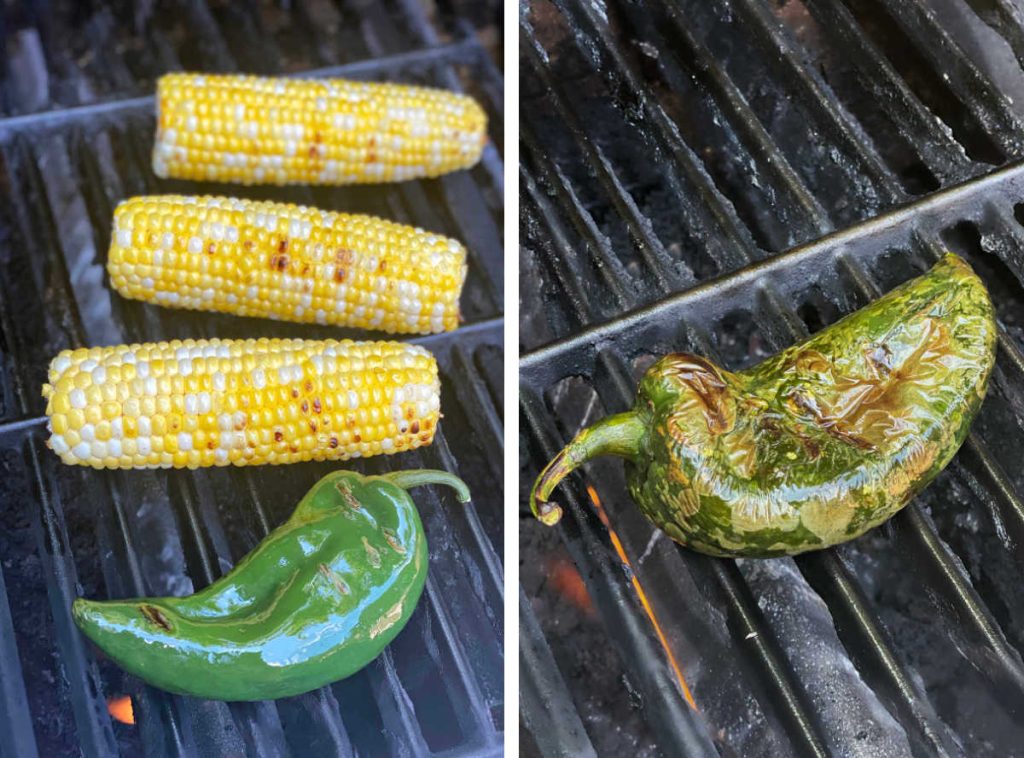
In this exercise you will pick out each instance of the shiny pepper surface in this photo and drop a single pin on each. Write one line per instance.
(316, 601)
(814, 446)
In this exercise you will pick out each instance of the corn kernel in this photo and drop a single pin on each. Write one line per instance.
(313, 266)
(248, 402)
(255, 130)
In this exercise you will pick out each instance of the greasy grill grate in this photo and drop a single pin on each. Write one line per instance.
(666, 146)
(65, 160)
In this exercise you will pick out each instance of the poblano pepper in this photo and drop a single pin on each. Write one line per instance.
(814, 446)
(314, 602)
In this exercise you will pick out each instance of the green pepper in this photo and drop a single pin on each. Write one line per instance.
(815, 445)
(314, 602)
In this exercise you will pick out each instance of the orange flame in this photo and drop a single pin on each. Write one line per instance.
(121, 709)
(569, 584)
(642, 595)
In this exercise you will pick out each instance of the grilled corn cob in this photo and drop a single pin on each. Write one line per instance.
(256, 130)
(286, 262)
(215, 402)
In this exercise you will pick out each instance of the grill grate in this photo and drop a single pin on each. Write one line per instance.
(794, 151)
(65, 532)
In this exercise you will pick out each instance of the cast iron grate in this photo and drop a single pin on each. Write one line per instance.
(686, 168)
(65, 161)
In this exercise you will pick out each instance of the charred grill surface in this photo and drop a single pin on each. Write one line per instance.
(76, 128)
(725, 178)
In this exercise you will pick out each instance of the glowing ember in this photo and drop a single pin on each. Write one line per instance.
(569, 584)
(642, 595)
(121, 709)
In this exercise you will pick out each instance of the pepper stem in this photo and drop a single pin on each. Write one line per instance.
(419, 477)
(616, 435)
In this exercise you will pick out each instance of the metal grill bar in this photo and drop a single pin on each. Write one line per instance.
(714, 217)
(544, 367)
(607, 264)
(863, 146)
(680, 731)
(201, 19)
(801, 215)
(901, 694)
(974, 90)
(958, 588)
(852, 139)
(671, 275)
(615, 384)
(1006, 18)
(118, 109)
(94, 155)
(806, 87)
(895, 227)
(939, 151)
(94, 732)
(546, 704)
(480, 407)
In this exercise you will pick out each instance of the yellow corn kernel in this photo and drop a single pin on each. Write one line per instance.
(257, 130)
(255, 402)
(94, 413)
(103, 431)
(288, 262)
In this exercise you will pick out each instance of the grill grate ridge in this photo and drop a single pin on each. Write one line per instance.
(771, 296)
(103, 534)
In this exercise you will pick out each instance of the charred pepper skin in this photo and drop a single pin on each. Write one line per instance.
(314, 602)
(814, 446)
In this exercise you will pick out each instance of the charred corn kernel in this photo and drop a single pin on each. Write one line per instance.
(286, 262)
(244, 402)
(256, 130)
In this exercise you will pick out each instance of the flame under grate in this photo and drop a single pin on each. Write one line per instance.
(725, 178)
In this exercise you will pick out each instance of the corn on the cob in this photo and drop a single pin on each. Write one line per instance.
(215, 402)
(256, 130)
(285, 262)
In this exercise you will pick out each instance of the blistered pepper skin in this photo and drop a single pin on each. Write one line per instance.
(314, 602)
(814, 446)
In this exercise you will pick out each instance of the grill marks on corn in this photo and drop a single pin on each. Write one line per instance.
(287, 262)
(243, 402)
(258, 130)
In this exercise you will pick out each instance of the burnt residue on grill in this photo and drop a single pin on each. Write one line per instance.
(76, 126)
(600, 687)
(811, 155)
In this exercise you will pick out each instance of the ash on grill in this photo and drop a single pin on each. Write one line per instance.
(839, 145)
